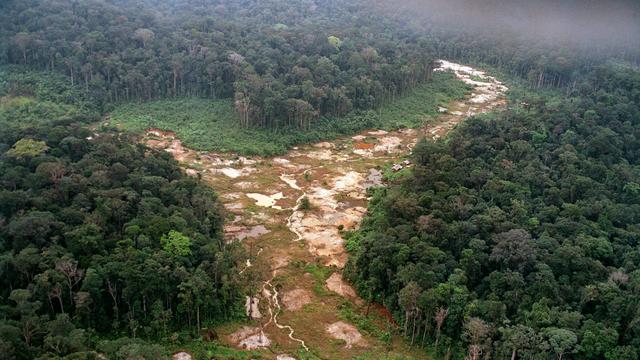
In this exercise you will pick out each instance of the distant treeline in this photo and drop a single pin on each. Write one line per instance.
(285, 63)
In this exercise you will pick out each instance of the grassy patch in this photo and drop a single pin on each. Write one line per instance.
(212, 125)
(365, 324)
(212, 350)
(320, 275)
(392, 176)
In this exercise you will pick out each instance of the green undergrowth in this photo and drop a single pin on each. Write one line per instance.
(320, 275)
(29, 98)
(213, 350)
(365, 324)
(212, 125)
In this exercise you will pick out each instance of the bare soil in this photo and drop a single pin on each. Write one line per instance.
(347, 332)
(263, 195)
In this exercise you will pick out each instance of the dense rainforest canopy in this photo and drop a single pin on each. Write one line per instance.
(283, 63)
(518, 235)
(99, 234)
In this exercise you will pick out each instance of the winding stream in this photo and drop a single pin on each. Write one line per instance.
(264, 197)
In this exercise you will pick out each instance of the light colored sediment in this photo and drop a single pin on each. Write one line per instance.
(336, 284)
(346, 332)
(181, 356)
(251, 305)
(285, 357)
(388, 144)
(250, 338)
(266, 200)
(289, 180)
(334, 177)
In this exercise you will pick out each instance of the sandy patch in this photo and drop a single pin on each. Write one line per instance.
(294, 300)
(251, 306)
(388, 144)
(250, 338)
(378, 132)
(181, 356)
(358, 137)
(235, 206)
(290, 180)
(363, 152)
(324, 145)
(347, 332)
(285, 357)
(266, 200)
(234, 173)
(239, 232)
(337, 285)
(245, 185)
(348, 182)
(232, 196)
(324, 154)
(319, 228)
(280, 161)
(374, 178)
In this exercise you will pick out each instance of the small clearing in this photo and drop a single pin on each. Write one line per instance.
(342, 331)
(336, 284)
(250, 338)
(294, 300)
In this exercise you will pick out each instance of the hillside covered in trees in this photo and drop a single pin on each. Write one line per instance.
(518, 236)
(284, 64)
(99, 235)
(515, 237)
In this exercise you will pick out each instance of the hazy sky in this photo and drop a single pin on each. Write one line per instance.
(580, 20)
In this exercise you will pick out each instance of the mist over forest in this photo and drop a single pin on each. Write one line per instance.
(319, 179)
(583, 22)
